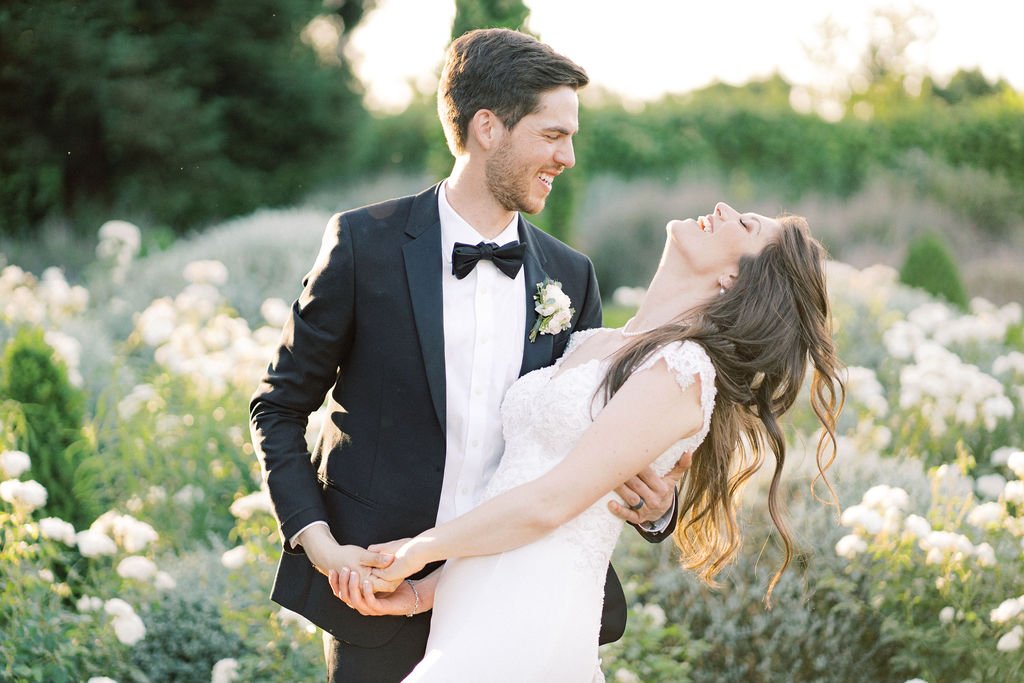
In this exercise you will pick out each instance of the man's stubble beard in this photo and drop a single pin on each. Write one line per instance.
(504, 181)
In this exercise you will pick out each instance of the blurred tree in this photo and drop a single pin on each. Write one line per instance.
(471, 14)
(176, 112)
(965, 85)
(929, 265)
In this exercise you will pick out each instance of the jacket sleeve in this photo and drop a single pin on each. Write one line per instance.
(315, 340)
(590, 314)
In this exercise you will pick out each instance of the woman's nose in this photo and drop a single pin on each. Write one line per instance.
(723, 210)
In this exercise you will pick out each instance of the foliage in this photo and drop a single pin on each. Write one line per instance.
(53, 417)
(931, 388)
(184, 639)
(930, 266)
(178, 113)
(472, 14)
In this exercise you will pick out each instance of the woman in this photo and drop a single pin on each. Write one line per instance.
(716, 353)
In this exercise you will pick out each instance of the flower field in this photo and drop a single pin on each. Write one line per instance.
(137, 543)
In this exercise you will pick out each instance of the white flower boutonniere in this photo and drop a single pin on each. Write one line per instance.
(554, 309)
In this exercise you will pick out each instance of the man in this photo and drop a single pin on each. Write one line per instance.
(414, 321)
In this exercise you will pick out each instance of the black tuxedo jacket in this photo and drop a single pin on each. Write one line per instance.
(367, 332)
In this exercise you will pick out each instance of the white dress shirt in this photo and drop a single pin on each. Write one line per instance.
(484, 329)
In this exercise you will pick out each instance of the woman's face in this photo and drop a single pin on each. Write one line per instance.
(714, 243)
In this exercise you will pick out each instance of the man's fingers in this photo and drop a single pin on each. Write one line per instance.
(374, 559)
(623, 512)
(676, 473)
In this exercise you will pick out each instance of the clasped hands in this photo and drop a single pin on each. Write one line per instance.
(372, 580)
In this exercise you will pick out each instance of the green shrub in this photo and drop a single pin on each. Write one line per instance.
(184, 639)
(53, 411)
(929, 265)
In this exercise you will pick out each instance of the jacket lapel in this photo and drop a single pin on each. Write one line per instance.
(536, 354)
(423, 271)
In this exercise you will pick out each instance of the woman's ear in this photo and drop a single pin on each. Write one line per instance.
(726, 281)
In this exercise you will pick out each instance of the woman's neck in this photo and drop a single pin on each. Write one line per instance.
(672, 293)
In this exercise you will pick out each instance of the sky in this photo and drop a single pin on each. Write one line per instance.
(666, 46)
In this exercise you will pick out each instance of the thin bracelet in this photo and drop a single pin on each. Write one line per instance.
(417, 594)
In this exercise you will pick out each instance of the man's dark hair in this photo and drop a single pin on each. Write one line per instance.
(501, 70)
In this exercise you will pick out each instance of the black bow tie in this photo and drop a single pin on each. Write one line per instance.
(508, 257)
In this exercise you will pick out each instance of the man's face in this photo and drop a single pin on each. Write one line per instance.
(521, 170)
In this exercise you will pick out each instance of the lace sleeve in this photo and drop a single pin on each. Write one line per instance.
(685, 360)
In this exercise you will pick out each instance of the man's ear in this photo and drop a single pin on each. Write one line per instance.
(486, 129)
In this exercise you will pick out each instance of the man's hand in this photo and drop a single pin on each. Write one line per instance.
(649, 496)
(358, 594)
(326, 554)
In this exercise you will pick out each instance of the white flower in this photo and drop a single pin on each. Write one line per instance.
(157, 323)
(553, 307)
(206, 272)
(95, 543)
(88, 603)
(57, 529)
(850, 546)
(101, 679)
(628, 296)
(861, 517)
(917, 526)
(1007, 610)
(14, 463)
(286, 616)
(141, 396)
(1014, 492)
(626, 676)
(990, 485)
(275, 311)
(985, 554)
(946, 546)
(224, 671)
(244, 507)
(189, 494)
(235, 558)
(23, 495)
(1011, 641)
(884, 496)
(986, 515)
(123, 233)
(916, 680)
(1001, 456)
(947, 614)
(128, 627)
(1015, 461)
(46, 575)
(656, 614)
(131, 533)
(136, 567)
(164, 581)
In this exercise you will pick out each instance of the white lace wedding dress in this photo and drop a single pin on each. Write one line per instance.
(533, 613)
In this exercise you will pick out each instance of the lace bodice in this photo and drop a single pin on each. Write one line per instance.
(546, 412)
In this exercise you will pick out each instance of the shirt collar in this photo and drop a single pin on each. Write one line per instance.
(454, 227)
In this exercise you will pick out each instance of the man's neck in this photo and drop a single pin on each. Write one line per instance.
(468, 195)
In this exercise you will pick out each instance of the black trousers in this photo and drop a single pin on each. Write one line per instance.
(391, 662)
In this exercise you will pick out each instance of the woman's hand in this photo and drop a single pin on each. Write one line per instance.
(408, 560)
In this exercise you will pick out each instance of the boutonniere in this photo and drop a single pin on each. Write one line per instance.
(554, 309)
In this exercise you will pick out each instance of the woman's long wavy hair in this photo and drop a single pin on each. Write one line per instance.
(761, 335)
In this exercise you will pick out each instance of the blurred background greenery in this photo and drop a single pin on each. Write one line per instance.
(178, 115)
